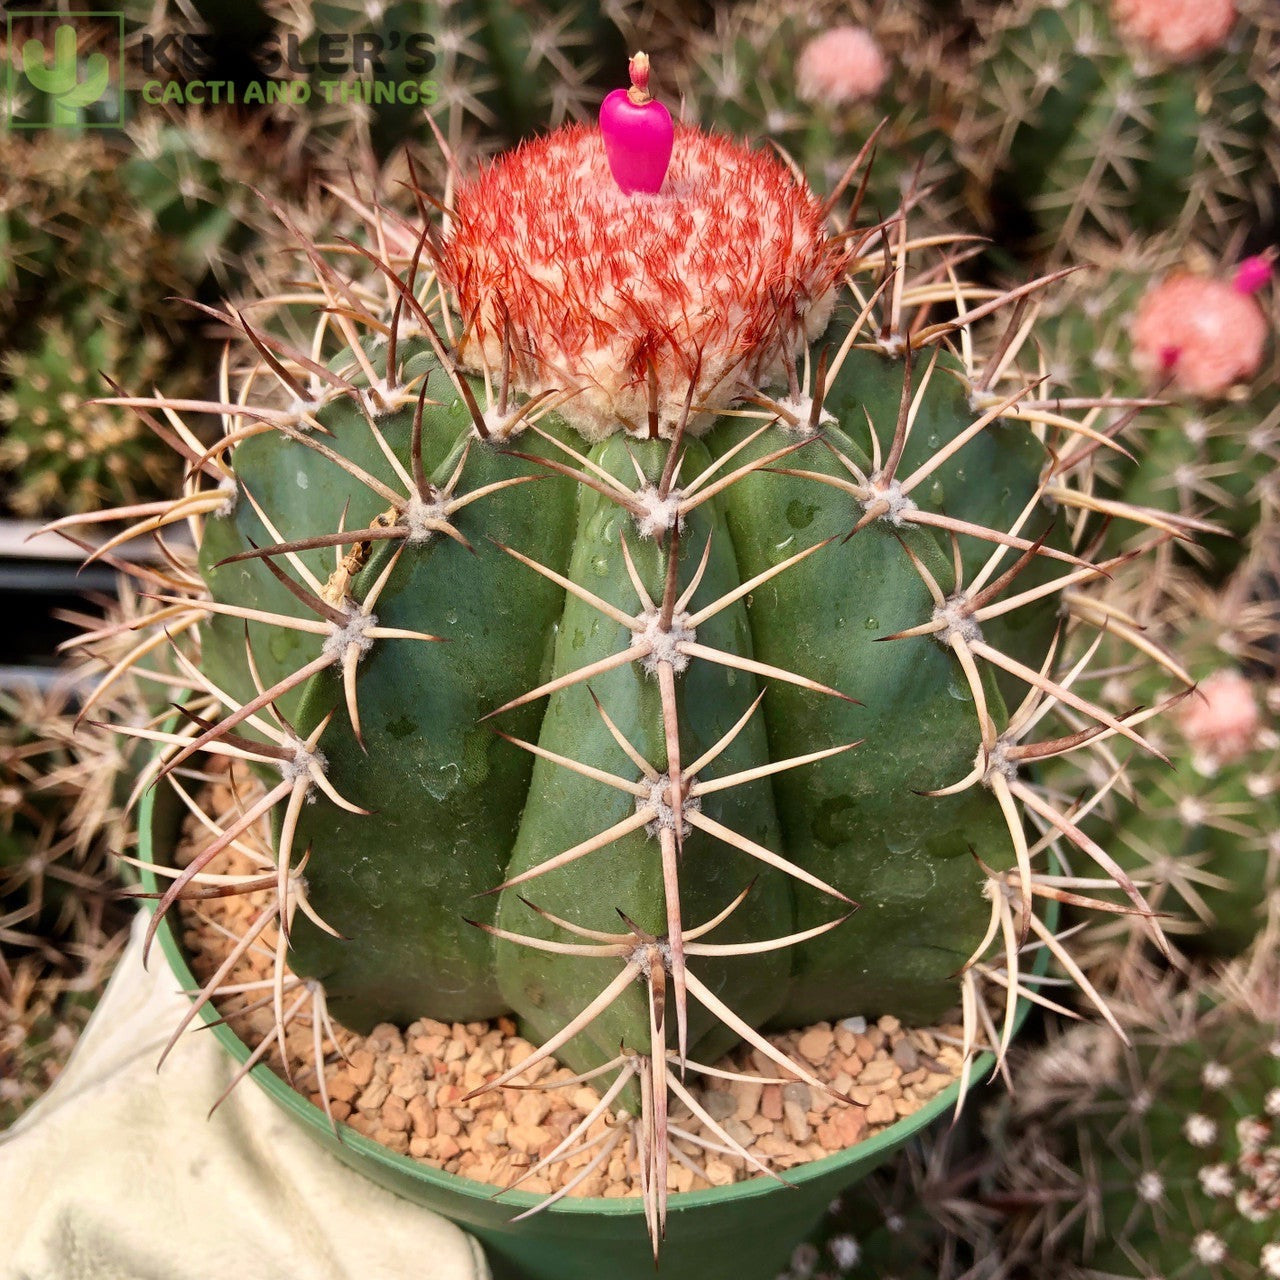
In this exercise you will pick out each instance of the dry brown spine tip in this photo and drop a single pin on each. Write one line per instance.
(639, 70)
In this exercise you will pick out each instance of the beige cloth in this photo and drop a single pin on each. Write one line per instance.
(116, 1174)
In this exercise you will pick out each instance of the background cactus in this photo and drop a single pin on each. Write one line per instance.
(819, 78)
(67, 453)
(1163, 321)
(205, 186)
(919, 1218)
(60, 921)
(1201, 833)
(1154, 1159)
(104, 238)
(1111, 115)
(86, 290)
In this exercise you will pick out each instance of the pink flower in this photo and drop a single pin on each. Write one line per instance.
(842, 65)
(1179, 30)
(1204, 333)
(716, 278)
(1221, 719)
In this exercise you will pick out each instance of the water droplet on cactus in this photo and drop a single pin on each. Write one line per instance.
(799, 514)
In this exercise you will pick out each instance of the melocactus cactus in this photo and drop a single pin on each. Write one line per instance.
(1114, 115)
(1157, 1159)
(596, 609)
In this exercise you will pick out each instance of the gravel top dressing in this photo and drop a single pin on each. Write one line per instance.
(407, 1088)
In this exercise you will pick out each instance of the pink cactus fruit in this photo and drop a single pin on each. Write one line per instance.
(842, 65)
(1177, 30)
(638, 133)
(1206, 335)
(1221, 718)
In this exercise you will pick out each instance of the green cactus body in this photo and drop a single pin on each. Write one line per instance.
(1087, 130)
(437, 793)
(1176, 1136)
(448, 792)
(566, 809)
(613, 701)
(920, 891)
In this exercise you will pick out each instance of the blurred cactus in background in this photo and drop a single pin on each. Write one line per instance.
(817, 79)
(64, 452)
(1089, 116)
(1195, 337)
(1156, 1158)
(61, 923)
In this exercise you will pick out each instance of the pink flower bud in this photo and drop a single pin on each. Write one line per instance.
(1222, 718)
(1179, 30)
(1204, 333)
(1253, 274)
(839, 66)
(638, 133)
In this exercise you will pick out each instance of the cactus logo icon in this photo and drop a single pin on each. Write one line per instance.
(54, 81)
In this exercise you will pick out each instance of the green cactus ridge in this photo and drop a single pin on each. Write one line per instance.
(614, 733)
(1158, 1159)
(1089, 133)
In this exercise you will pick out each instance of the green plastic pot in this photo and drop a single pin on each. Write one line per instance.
(741, 1232)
